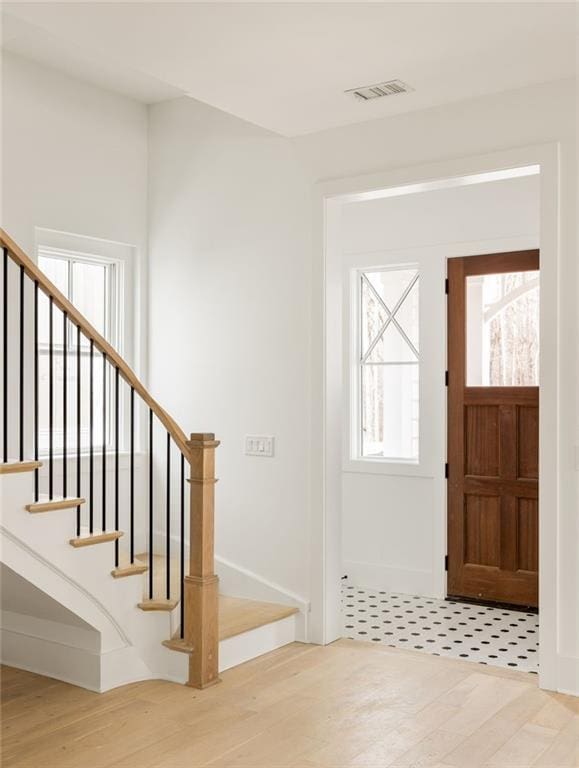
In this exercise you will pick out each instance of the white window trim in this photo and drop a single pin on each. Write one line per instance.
(114, 320)
(97, 249)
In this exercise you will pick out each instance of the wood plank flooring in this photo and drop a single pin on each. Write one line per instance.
(347, 705)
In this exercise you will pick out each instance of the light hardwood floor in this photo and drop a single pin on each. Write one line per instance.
(350, 704)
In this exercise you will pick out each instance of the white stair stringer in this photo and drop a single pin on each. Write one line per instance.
(36, 546)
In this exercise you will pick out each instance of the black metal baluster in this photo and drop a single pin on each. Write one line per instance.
(104, 446)
(64, 404)
(168, 521)
(36, 425)
(116, 464)
(21, 382)
(78, 426)
(5, 356)
(91, 438)
(132, 476)
(182, 547)
(50, 399)
(150, 504)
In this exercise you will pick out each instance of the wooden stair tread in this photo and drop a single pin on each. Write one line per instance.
(11, 467)
(158, 604)
(238, 615)
(177, 644)
(126, 568)
(48, 505)
(95, 538)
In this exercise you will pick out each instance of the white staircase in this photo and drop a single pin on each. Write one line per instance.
(129, 642)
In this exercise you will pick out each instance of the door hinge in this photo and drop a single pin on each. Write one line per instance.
(446, 471)
(446, 562)
(446, 286)
(446, 378)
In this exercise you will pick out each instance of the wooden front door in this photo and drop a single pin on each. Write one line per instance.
(493, 427)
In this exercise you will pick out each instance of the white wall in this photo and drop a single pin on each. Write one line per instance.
(229, 321)
(17, 595)
(74, 159)
(393, 517)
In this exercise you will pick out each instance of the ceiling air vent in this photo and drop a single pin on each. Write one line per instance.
(390, 88)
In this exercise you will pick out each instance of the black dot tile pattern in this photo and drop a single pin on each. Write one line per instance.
(481, 634)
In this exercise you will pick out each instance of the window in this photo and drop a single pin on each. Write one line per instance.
(388, 364)
(502, 330)
(92, 284)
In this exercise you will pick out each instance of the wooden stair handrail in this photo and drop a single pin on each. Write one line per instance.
(101, 343)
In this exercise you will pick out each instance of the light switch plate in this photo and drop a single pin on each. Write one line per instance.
(259, 445)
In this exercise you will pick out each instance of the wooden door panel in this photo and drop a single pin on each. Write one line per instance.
(528, 454)
(500, 486)
(476, 581)
(493, 465)
(482, 530)
(527, 534)
(482, 443)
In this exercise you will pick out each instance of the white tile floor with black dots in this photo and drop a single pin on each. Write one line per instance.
(481, 634)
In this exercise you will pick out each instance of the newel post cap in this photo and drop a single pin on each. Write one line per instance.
(203, 440)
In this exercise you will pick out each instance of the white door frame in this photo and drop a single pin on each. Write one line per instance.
(326, 553)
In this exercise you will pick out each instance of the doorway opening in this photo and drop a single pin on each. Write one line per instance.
(386, 367)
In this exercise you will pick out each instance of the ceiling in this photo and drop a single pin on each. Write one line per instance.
(285, 66)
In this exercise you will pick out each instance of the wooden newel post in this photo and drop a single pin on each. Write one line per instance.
(202, 584)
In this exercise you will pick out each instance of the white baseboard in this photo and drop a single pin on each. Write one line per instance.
(391, 579)
(86, 639)
(77, 666)
(51, 659)
(241, 582)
